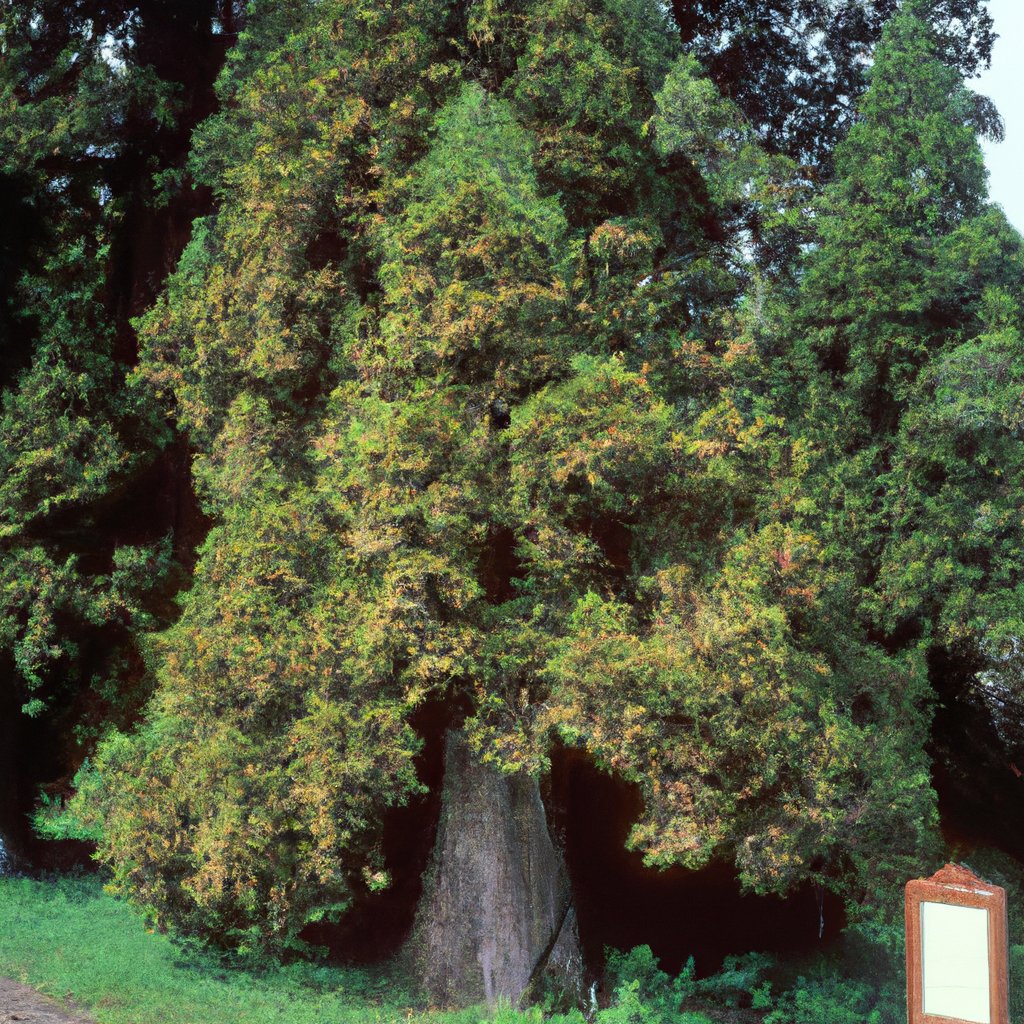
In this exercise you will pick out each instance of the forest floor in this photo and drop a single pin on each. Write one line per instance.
(69, 939)
(25, 1005)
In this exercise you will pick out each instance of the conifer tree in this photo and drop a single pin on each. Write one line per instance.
(473, 416)
(907, 313)
(910, 267)
(796, 67)
(90, 111)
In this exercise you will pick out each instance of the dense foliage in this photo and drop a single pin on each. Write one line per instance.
(566, 362)
(95, 100)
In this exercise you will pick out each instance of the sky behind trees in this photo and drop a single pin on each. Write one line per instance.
(1004, 82)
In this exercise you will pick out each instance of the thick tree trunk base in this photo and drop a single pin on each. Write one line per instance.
(496, 919)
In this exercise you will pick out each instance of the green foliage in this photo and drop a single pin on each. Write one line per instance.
(796, 67)
(516, 369)
(694, 119)
(717, 668)
(468, 264)
(257, 749)
(909, 178)
(860, 979)
(582, 84)
(505, 1014)
(639, 968)
(456, 443)
(629, 1007)
(831, 1001)
(740, 980)
(42, 598)
(904, 330)
(954, 558)
(88, 114)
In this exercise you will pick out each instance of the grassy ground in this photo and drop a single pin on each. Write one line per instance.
(69, 939)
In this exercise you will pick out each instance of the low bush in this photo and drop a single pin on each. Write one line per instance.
(645, 994)
(834, 1000)
(859, 980)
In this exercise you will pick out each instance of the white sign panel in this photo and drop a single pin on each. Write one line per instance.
(954, 962)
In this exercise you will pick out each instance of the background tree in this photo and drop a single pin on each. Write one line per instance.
(93, 106)
(796, 68)
(913, 285)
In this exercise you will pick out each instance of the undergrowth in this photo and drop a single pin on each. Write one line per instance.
(71, 940)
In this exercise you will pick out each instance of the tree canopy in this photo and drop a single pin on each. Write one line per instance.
(645, 382)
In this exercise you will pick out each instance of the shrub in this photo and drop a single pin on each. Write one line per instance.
(644, 993)
(740, 981)
(830, 1000)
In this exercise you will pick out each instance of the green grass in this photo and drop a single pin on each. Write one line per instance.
(68, 938)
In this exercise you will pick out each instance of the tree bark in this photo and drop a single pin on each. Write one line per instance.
(496, 919)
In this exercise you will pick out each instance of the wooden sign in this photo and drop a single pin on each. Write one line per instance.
(956, 950)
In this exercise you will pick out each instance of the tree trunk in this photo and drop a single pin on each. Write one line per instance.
(496, 917)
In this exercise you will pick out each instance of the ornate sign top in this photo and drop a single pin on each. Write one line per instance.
(958, 876)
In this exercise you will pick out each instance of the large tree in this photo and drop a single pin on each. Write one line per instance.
(474, 410)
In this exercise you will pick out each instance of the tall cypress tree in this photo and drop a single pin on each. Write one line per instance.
(462, 376)
(905, 326)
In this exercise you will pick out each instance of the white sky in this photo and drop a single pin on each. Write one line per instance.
(1004, 82)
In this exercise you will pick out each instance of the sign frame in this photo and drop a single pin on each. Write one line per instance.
(957, 886)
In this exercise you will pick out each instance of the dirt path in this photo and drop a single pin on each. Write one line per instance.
(25, 1005)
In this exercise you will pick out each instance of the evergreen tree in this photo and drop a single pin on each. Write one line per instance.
(459, 361)
(910, 268)
(504, 370)
(796, 68)
(905, 331)
(268, 795)
(87, 120)
(96, 513)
